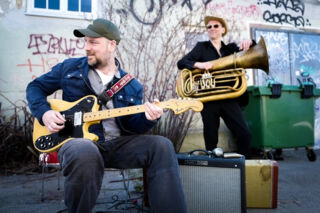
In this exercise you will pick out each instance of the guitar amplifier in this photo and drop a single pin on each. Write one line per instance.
(213, 184)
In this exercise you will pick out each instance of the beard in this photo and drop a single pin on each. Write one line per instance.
(94, 61)
(98, 62)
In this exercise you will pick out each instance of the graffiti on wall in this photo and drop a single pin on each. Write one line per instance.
(305, 52)
(274, 11)
(38, 66)
(47, 50)
(278, 11)
(151, 11)
(277, 46)
(285, 12)
(234, 9)
(49, 44)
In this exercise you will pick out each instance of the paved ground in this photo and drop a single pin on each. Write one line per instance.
(298, 191)
(298, 184)
(22, 193)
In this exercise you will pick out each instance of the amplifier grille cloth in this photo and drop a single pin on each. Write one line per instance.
(211, 189)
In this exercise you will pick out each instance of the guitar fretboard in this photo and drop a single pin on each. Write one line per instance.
(111, 113)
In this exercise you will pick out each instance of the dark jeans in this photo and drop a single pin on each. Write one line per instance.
(83, 164)
(230, 111)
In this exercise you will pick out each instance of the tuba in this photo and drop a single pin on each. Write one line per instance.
(226, 79)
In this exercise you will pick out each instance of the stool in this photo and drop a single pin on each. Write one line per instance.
(49, 160)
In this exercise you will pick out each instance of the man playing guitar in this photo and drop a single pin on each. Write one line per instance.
(120, 143)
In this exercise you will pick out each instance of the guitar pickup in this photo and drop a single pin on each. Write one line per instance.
(77, 118)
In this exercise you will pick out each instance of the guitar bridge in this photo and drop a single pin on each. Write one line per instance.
(77, 118)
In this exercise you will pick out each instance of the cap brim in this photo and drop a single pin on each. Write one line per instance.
(86, 32)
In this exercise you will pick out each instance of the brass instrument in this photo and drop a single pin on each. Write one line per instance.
(227, 77)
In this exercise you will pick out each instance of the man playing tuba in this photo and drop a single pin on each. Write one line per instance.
(200, 57)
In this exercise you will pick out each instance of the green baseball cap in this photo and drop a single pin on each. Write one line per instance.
(100, 28)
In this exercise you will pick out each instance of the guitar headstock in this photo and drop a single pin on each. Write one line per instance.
(179, 106)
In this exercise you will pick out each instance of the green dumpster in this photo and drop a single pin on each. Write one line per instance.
(283, 122)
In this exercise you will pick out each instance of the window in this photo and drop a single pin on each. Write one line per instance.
(291, 52)
(83, 9)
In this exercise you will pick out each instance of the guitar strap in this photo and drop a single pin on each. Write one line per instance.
(107, 94)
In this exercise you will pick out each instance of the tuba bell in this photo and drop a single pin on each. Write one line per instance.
(226, 79)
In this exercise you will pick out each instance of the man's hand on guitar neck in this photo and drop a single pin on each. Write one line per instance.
(152, 111)
(53, 120)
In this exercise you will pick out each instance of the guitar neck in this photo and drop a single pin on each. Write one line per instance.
(112, 113)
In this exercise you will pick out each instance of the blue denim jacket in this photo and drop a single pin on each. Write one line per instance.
(71, 76)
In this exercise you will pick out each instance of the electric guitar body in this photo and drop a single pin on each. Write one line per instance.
(44, 141)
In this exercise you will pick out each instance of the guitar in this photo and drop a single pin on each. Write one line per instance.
(83, 113)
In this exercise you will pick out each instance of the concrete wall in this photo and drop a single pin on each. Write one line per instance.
(154, 38)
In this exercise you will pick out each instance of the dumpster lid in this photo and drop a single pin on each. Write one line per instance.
(265, 90)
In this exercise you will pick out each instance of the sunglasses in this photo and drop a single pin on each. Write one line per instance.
(214, 26)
